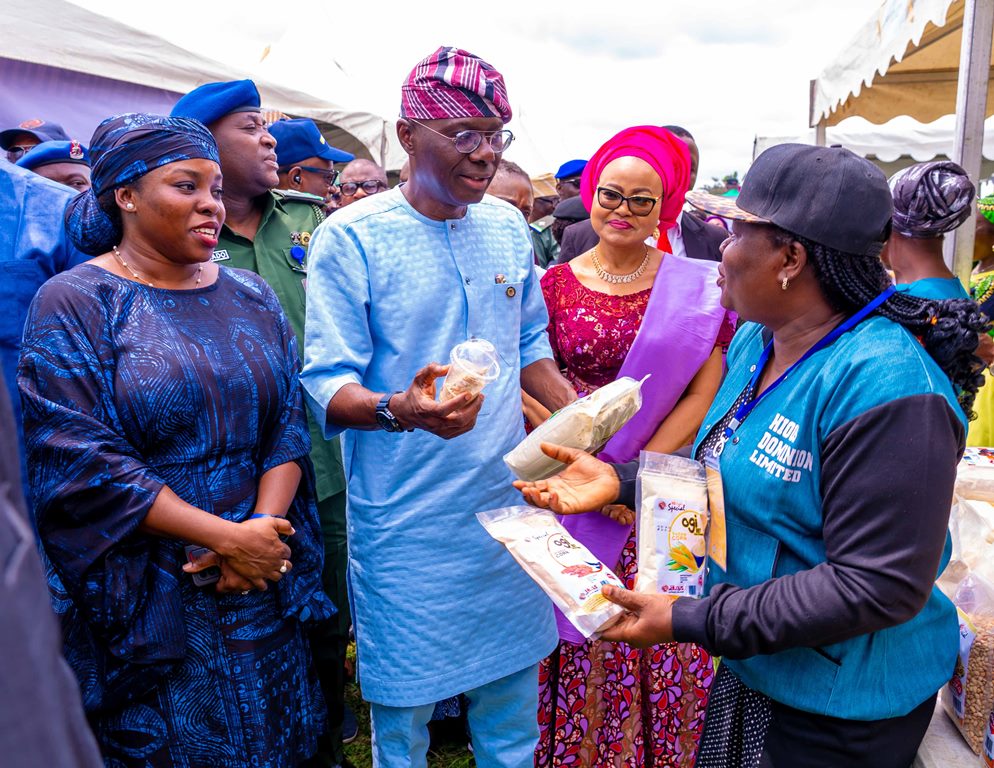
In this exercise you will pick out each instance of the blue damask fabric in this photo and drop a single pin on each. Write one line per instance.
(127, 389)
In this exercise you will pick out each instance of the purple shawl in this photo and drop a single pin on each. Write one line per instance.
(677, 335)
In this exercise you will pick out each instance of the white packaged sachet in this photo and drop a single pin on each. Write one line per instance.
(672, 519)
(587, 424)
(565, 569)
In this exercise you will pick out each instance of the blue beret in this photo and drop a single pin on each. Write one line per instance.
(571, 168)
(300, 139)
(49, 152)
(213, 101)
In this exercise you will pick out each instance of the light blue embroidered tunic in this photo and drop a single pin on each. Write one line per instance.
(440, 607)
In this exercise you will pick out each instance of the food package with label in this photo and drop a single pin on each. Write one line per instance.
(969, 696)
(565, 569)
(587, 424)
(671, 525)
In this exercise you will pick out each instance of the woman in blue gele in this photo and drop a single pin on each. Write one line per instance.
(836, 435)
(163, 414)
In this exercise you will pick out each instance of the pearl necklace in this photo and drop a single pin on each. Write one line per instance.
(610, 277)
(142, 279)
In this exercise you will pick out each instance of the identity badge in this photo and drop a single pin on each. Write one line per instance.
(717, 539)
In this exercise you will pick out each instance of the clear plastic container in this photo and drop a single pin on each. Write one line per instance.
(472, 365)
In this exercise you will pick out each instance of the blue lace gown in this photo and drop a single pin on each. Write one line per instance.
(127, 389)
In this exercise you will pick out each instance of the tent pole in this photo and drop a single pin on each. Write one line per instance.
(971, 108)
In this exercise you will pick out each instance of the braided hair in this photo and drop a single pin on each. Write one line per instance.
(949, 329)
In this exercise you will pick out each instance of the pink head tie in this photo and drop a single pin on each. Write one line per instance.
(666, 153)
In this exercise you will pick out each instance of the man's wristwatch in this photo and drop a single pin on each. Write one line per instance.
(384, 417)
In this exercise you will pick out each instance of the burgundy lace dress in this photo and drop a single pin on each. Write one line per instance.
(608, 704)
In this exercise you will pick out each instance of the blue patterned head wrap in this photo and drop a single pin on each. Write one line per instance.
(122, 150)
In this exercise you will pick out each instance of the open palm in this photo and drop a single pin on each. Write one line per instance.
(585, 484)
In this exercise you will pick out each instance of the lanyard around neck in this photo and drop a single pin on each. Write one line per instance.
(747, 407)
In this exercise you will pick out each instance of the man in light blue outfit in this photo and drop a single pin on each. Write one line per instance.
(33, 248)
(395, 281)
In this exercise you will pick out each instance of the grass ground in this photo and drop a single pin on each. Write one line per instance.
(359, 754)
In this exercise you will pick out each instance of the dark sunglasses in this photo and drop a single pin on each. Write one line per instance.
(330, 176)
(467, 141)
(18, 151)
(639, 205)
(369, 186)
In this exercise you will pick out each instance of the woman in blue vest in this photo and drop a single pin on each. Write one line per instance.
(836, 434)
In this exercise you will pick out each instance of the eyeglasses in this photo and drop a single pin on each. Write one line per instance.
(369, 186)
(18, 151)
(329, 176)
(639, 205)
(467, 141)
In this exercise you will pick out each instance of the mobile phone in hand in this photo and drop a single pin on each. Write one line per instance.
(208, 576)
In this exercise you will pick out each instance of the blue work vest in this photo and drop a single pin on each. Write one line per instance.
(773, 503)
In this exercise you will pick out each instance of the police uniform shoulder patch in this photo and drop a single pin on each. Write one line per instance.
(296, 196)
(316, 212)
(540, 225)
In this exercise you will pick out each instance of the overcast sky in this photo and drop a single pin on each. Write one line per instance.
(576, 71)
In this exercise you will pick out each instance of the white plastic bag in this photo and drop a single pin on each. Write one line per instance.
(587, 424)
(565, 569)
(672, 523)
(975, 475)
(971, 527)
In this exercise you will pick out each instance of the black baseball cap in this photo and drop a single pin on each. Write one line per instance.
(43, 130)
(828, 195)
(572, 209)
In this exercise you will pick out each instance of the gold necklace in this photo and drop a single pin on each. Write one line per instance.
(610, 277)
(141, 278)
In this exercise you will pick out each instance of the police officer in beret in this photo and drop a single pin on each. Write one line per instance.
(568, 178)
(268, 231)
(66, 162)
(306, 159)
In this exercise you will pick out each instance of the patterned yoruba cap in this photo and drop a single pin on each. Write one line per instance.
(454, 83)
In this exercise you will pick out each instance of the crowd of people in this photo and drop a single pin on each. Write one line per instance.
(222, 356)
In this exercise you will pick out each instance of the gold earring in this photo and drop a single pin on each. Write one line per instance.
(783, 285)
(655, 233)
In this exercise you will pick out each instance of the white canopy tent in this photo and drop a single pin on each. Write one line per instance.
(65, 63)
(903, 61)
(923, 58)
(894, 145)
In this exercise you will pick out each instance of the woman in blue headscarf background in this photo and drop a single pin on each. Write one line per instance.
(163, 413)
